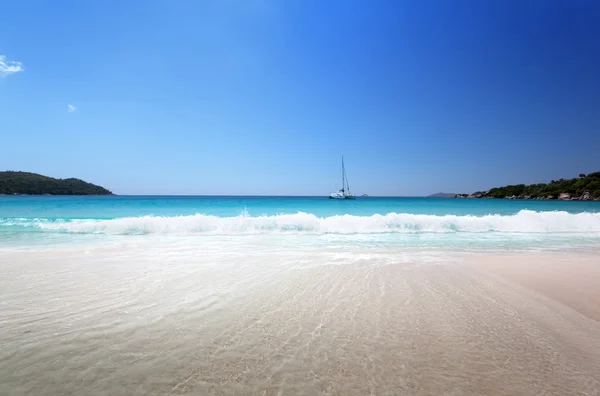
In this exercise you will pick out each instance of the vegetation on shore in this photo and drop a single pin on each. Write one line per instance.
(584, 187)
(25, 183)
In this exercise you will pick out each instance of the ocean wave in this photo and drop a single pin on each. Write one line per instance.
(525, 221)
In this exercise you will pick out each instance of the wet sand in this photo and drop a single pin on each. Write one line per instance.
(482, 325)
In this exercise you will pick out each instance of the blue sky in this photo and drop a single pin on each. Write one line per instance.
(263, 97)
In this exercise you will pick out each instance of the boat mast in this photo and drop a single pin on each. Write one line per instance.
(343, 176)
(347, 184)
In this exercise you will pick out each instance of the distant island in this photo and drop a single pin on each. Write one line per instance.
(442, 195)
(582, 188)
(25, 183)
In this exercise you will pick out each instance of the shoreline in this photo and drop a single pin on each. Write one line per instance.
(56, 195)
(522, 198)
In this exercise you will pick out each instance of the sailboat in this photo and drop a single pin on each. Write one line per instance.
(344, 192)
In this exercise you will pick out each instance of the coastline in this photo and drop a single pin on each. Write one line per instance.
(582, 188)
(57, 195)
(526, 198)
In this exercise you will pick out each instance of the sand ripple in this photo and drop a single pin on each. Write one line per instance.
(137, 323)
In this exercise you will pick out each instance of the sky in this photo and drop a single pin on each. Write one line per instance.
(262, 97)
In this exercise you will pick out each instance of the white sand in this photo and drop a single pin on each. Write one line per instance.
(83, 324)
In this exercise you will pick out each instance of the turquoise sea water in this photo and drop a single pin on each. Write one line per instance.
(375, 222)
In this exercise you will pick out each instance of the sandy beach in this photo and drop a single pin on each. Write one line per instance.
(570, 279)
(518, 324)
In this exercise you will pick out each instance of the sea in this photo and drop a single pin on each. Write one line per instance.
(157, 295)
(392, 225)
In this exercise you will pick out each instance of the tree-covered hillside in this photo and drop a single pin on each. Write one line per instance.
(34, 184)
(585, 187)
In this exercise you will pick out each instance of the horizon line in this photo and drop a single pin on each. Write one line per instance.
(209, 195)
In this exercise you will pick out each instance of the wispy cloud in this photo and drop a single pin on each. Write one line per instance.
(71, 108)
(9, 67)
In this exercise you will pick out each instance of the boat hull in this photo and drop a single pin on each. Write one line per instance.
(339, 196)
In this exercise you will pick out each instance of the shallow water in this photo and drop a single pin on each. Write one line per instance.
(391, 223)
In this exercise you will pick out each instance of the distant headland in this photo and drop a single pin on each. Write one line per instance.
(582, 188)
(442, 195)
(25, 183)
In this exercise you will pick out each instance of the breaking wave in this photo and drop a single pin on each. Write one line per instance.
(525, 221)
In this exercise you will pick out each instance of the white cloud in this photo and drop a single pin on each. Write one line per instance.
(71, 108)
(9, 67)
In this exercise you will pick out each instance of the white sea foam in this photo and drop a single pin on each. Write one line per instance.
(525, 221)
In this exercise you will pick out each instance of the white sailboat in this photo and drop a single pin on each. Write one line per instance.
(344, 192)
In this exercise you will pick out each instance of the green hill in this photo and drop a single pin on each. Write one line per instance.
(33, 184)
(584, 187)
